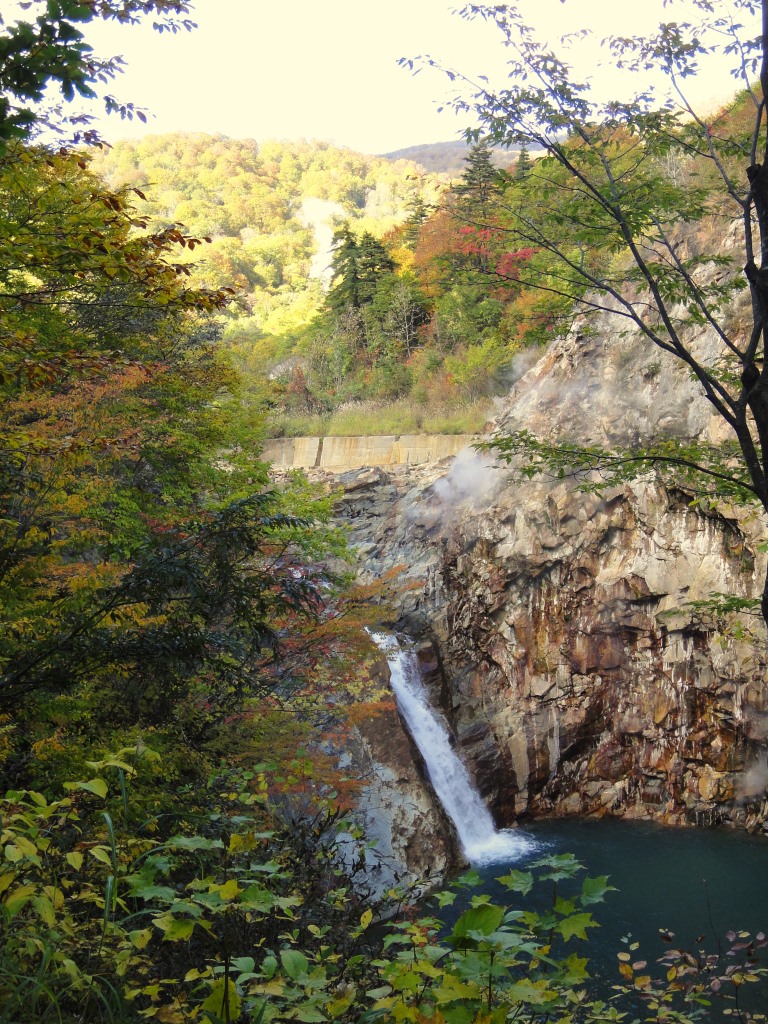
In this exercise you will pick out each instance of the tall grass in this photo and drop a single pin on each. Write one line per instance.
(404, 416)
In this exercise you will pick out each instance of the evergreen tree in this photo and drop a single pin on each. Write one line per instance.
(358, 265)
(418, 215)
(345, 263)
(373, 263)
(479, 184)
(523, 165)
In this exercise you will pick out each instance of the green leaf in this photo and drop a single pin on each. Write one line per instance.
(563, 906)
(309, 1015)
(483, 920)
(594, 889)
(470, 877)
(537, 993)
(295, 963)
(268, 967)
(193, 843)
(517, 881)
(175, 929)
(149, 891)
(576, 926)
(243, 964)
(452, 988)
(558, 867)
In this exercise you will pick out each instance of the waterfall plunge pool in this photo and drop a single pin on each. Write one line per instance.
(697, 884)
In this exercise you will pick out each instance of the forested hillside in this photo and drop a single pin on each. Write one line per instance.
(373, 296)
(267, 211)
(184, 659)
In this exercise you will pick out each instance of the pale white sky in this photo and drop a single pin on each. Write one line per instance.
(327, 69)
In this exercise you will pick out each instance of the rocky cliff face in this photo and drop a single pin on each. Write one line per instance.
(414, 841)
(580, 679)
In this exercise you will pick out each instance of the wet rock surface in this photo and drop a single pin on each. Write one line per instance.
(415, 843)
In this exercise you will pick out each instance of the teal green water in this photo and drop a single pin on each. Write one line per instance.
(697, 883)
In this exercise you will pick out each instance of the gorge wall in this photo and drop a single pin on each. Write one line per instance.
(580, 677)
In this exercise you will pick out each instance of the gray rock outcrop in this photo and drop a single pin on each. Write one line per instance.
(581, 675)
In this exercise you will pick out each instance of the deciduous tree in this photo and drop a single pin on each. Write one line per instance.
(47, 47)
(605, 221)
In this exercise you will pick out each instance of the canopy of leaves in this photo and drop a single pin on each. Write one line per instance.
(143, 560)
(47, 48)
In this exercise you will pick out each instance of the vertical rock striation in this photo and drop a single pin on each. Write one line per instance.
(580, 678)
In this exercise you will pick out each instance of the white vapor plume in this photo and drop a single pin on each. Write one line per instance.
(753, 782)
(472, 476)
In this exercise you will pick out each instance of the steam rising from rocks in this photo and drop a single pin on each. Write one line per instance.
(753, 782)
(473, 476)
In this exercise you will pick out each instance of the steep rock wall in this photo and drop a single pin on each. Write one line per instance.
(580, 678)
(581, 681)
(414, 843)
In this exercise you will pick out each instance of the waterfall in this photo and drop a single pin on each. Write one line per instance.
(480, 840)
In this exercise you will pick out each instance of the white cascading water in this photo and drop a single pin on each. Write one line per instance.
(481, 841)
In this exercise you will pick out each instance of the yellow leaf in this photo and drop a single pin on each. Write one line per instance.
(27, 847)
(102, 854)
(336, 1007)
(366, 919)
(140, 938)
(45, 910)
(96, 786)
(269, 988)
(170, 1015)
(195, 973)
(71, 968)
(18, 898)
(56, 896)
(223, 1000)
(75, 859)
(229, 890)
(6, 879)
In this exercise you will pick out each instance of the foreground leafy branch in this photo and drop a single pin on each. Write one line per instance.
(240, 914)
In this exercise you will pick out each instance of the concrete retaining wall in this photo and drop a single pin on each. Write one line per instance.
(338, 454)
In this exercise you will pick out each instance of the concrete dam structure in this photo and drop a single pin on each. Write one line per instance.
(339, 454)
